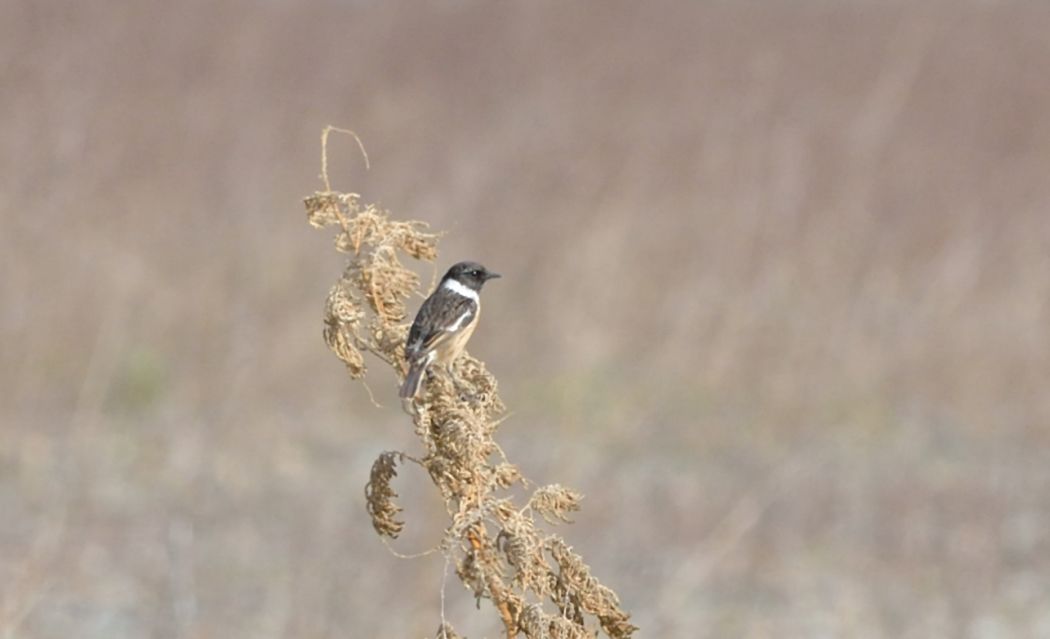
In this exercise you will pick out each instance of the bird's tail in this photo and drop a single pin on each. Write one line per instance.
(413, 381)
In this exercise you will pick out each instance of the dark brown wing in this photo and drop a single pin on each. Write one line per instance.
(443, 314)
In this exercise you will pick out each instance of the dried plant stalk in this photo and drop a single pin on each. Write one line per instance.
(497, 548)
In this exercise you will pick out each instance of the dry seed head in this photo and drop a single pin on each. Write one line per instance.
(585, 593)
(472, 574)
(523, 548)
(554, 502)
(455, 418)
(342, 327)
(379, 496)
(537, 624)
(387, 283)
(326, 207)
(506, 475)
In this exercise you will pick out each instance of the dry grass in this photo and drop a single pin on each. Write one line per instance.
(499, 551)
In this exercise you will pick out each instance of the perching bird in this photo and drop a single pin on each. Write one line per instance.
(444, 323)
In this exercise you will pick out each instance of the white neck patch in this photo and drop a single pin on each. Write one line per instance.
(460, 289)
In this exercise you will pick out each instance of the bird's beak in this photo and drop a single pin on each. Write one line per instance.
(491, 276)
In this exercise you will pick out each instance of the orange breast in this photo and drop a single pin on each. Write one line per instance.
(449, 349)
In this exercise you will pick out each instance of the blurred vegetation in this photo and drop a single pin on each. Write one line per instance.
(777, 276)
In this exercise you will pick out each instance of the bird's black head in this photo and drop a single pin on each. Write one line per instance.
(470, 274)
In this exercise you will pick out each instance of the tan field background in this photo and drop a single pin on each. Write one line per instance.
(776, 298)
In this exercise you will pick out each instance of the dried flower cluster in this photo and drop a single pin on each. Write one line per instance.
(497, 548)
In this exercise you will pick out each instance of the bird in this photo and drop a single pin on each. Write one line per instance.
(444, 323)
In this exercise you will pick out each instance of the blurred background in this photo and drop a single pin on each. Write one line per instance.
(776, 298)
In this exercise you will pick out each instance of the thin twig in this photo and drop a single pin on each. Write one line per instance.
(324, 152)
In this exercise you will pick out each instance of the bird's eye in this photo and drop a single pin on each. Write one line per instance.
(476, 273)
